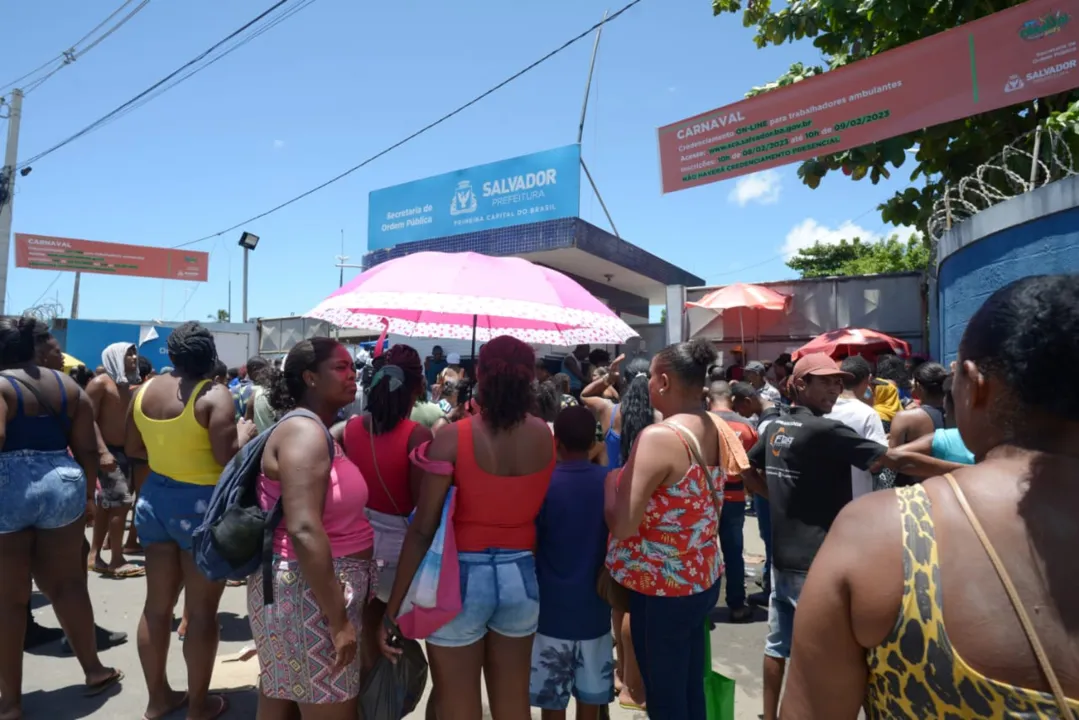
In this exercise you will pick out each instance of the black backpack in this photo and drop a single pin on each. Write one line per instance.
(236, 535)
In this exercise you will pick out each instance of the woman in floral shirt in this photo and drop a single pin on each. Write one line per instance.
(663, 513)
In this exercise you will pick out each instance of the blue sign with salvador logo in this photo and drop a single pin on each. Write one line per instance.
(527, 189)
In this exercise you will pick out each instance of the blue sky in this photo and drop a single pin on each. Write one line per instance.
(342, 80)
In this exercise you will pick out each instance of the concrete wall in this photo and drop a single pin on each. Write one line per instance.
(86, 339)
(1034, 234)
(893, 303)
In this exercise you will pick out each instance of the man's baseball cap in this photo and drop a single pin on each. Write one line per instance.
(756, 366)
(453, 359)
(816, 364)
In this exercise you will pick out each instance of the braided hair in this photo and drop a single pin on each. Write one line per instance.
(192, 351)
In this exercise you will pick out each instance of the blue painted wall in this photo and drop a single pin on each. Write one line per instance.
(86, 339)
(1045, 246)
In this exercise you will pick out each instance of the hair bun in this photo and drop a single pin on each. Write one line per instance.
(703, 352)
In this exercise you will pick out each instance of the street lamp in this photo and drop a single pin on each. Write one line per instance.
(248, 242)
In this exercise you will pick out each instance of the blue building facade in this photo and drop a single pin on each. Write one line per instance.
(1034, 234)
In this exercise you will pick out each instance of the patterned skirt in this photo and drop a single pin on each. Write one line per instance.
(295, 649)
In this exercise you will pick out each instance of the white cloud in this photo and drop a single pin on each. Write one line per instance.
(278, 144)
(809, 231)
(762, 188)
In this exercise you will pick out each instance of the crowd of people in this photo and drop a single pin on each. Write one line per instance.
(597, 508)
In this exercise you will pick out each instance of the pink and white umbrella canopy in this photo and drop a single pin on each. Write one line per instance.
(431, 294)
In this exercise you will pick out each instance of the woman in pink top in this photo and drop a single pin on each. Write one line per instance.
(307, 639)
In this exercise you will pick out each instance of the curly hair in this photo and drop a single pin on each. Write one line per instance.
(258, 370)
(894, 368)
(635, 406)
(389, 405)
(505, 373)
(19, 336)
(1023, 335)
(548, 401)
(287, 388)
(192, 350)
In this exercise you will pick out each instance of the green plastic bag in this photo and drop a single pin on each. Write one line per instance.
(718, 689)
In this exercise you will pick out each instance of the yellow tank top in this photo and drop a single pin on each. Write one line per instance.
(915, 673)
(178, 448)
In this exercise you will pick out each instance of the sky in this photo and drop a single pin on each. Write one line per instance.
(342, 80)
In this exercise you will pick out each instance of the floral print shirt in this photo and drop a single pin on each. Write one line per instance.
(676, 549)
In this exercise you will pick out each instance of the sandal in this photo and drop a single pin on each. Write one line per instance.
(124, 571)
(222, 710)
(97, 688)
(170, 711)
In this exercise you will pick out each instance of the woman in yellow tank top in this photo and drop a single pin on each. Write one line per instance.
(185, 429)
(959, 598)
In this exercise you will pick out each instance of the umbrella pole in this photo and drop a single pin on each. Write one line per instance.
(475, 319)
(742, 328)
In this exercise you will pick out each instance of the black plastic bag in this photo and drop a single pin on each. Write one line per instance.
(393, 690)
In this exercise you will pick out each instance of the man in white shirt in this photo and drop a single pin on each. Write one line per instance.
(858, 416)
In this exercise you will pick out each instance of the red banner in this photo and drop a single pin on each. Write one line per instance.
(41, 252)
(1010, 57)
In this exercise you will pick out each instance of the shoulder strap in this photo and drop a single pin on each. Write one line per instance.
(1013, 595)
(308, 414)
(41, 400)
(374, 461)
(63, 391)
(694, 447)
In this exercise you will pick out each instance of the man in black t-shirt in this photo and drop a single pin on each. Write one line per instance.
(806, 460)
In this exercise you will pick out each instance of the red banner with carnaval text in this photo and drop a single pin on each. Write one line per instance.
(1010, 57)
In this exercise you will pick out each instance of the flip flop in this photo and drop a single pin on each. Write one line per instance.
(98, 688)
(632, 706)
(223, 709)
(125, 571)
(170, 711)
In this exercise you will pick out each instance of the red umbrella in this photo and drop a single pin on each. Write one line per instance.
(768, 306)
(853, 341)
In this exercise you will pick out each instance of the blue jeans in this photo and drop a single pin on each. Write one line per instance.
(168, 511)
(732, 521)
(668, 637)
(786, 590)
(499, 592)
(44, 490)
(764, 524)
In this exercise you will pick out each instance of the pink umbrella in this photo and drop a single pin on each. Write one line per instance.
(853, 341)
(471, 296)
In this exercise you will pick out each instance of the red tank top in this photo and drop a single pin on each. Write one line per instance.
(494, 511)
(391, 451)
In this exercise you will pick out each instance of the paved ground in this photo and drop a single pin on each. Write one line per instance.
(52, 682)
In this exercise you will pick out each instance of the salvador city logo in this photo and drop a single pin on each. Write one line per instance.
(1049, 24)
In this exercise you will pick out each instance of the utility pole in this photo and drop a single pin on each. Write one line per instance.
(7, 190)
(75, 297)
(341, 259)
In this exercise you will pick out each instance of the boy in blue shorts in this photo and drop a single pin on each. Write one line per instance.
(573, 653)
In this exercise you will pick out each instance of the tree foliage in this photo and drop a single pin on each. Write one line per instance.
(861, 258)
(221, 317)
(845, 31)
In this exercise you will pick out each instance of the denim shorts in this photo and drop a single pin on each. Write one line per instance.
(786, 589)
(169, 511)
(44, 490)
(499, 592)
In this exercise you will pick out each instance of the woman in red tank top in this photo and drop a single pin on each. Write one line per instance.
(379, 442)
(502, 463)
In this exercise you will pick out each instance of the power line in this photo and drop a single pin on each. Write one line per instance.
(73, 53)
(116, 111)
(240, 43)
(46, 291)
(419, 132)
